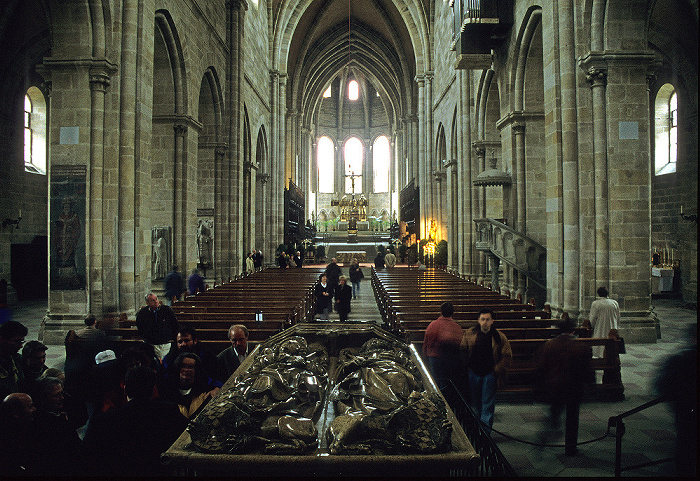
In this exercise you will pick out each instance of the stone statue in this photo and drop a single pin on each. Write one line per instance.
(204, 243)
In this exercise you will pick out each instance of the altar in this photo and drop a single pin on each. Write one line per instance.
(661, 279)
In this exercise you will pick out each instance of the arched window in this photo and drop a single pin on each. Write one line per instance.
(324, 162)
(327, 93)
(353, 165)
(380, 164)
(353, 90)
(666, 130)
(34, 131)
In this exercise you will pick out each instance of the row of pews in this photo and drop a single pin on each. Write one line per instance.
(281, 297)
(409, 299)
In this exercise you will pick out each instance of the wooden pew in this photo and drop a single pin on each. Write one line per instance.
(409, 300)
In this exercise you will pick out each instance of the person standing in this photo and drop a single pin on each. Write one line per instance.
(282, 260)
(441, 346)
(605, 315)
(343, 296)
(249, 263)
(12, 335)
(195, 283)
(563, 368)
(324, 296)
(379, 261)
(298, 260)
(356, 275)
(333, 273)
(157, 325)
(390, 260)
(677, 383)
(174, 286)
(489, 355)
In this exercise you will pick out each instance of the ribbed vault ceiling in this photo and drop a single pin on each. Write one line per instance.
(367, 39)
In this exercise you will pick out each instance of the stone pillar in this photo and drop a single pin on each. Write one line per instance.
(431, 163)
(180, 201)
(422, 178)
(221, 209)
(570, 166)
(521, 189)
(465, 191)
(69, 156)
(97, 285)
(597, 78)
(479, 207)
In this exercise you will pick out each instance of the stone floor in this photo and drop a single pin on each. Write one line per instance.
(649, 434)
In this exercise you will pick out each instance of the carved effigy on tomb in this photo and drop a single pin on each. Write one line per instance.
(378, 404)
(272, 408)
(381, 406)
(320, 399)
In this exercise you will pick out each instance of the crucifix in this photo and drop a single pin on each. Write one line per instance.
(352, 181)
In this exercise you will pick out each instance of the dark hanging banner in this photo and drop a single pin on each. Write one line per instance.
(67, 217)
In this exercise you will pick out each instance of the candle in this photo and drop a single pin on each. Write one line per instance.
(681, 209)
(671, 255)
(20, 213)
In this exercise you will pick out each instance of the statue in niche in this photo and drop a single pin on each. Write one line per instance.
(204, 243)
(160, 238)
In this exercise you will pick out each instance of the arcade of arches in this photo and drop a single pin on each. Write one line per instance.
(138, 134)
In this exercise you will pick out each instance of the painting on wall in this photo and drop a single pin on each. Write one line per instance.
(160, 256)
(67, 214)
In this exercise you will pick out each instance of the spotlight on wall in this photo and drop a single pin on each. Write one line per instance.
(689, 217)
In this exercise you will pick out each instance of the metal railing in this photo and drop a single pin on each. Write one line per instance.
(616, 421)
(493, 463)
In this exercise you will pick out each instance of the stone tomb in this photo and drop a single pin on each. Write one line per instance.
(326, 399)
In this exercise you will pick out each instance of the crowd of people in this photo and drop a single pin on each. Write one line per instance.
(109, 415)
(134, 406)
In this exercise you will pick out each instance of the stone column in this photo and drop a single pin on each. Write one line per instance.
(180, 196)
(597, 77)
(570, 166)
(479, 207)
(465, 190)
(221, 209)
(429, 143)
(99, 290)
(422, 178)
(521, 189)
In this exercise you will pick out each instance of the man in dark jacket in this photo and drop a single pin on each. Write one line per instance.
(157, 325)
(343, 295)
(333, 273)
(562, 371)
(128, 441)
(174, 286)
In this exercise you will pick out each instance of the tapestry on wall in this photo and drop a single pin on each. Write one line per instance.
(67, 214)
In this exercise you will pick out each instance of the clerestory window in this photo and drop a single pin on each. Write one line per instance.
(324, 163)
(34, 131)
(666, 130)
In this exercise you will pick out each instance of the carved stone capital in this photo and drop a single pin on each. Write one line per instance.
(597, 76)
(180, 129)
(263, 177)
(220, 152)
(518, 128)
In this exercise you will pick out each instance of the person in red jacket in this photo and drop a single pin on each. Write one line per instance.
(441, 346)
